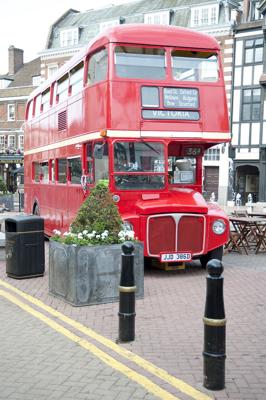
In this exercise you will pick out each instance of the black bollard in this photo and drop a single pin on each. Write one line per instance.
(214, 329)
(127, 291)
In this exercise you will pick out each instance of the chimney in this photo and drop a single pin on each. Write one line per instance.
(246, 5)
(15, 59)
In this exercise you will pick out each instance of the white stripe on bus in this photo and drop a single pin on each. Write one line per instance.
(130, 134)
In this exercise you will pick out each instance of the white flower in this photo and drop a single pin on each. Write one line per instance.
(80, 236)
(98, 236)
(56, 232)
(85, 232)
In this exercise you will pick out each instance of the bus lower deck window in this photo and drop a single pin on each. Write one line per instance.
(62, 170)
(75, 170)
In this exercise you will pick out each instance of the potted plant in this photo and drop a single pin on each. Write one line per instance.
(6, 198)
(85, 263)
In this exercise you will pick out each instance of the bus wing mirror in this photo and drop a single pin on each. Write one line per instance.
(98, 151)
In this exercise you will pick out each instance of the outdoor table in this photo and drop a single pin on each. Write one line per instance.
(247, 233)
(257, 214)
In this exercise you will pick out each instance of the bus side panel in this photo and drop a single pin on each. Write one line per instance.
(126, 110)
(75, 115)
(95, 112)
(213, 108)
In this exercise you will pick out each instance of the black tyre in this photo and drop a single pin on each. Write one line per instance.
(215, 253)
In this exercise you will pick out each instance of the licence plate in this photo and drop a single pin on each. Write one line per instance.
(175, 257)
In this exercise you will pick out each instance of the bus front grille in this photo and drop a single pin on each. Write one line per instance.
(175, 232)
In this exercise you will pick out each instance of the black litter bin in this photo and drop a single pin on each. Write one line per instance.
(24, 246)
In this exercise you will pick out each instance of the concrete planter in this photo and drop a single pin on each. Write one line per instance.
(85, 275)
(7, 200)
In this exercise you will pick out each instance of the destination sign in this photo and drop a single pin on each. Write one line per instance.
(180, 98)
(170, 114)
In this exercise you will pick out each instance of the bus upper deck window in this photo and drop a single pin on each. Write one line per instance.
(37, 109)
(97, 70)
(62, 89)
(140, 63)
(194, 66)
(45, 102)
(76, 78)
(30, 110)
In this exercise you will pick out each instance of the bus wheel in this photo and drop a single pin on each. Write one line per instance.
(36, 210)
(215, 253)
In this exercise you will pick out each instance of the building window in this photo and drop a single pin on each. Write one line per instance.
(207, 15)
(108, 24)
(4, 83)
(11, 141)
(21, 142)
(159, 18)
(11, 112)
(69, 37)
(254, 13)
(52, 70)
(253, 51)
(2, 144)
(251, 104)
(36, 80)
(212, 154)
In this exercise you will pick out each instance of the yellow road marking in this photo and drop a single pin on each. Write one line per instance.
(148, 366)
(130, 373)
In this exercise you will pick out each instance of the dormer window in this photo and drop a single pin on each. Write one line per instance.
(207, 15)
(4, 83)
(159, 18)
(69, 37)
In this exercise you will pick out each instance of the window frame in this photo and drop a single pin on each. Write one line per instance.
(11, 112)
(77, 85)
(199, 11)
(251, 103)
(69, 37)
(255, 46)
(91, 57)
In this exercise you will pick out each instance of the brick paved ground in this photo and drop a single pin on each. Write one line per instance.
(169, 328)
(37, 363)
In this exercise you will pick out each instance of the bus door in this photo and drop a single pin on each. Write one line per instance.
(75, 195)
(101, 161)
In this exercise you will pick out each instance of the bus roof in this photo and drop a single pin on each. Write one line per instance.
(153, 35)
(160, 35)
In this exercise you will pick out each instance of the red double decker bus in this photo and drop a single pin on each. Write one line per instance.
(138, 107)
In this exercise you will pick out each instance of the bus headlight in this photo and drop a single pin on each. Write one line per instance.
(218, 227)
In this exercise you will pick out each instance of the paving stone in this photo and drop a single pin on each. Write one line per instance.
(169, 333)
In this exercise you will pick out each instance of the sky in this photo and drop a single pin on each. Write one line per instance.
(25, 23)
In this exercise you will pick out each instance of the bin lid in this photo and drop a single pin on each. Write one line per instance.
(24, 223)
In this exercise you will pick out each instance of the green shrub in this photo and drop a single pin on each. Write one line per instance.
(3, 188)
(98, 221)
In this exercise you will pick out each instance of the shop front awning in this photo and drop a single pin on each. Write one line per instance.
(11, 159)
